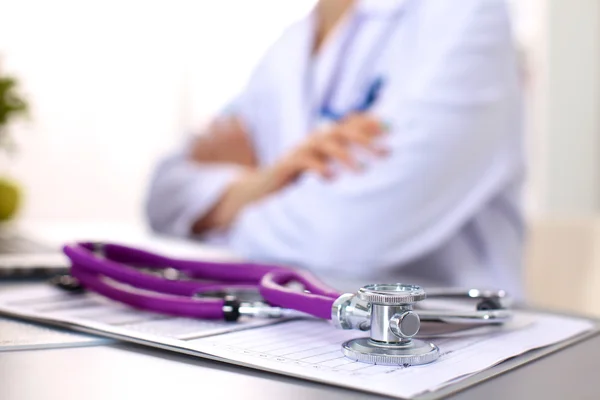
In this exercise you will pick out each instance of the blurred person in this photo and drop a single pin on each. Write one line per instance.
(375, 140)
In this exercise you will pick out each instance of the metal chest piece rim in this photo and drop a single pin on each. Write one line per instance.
(364, 350)
(393, 325)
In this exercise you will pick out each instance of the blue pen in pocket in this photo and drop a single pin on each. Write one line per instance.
(371, 95)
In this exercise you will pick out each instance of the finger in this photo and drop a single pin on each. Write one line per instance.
(365, 123)
(315, 163)
(363, 139)
(334, 147)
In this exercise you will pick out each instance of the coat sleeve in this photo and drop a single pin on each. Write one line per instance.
(454, 146)
(181, 191)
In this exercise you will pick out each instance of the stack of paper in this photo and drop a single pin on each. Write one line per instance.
(309, 349)
(16, 335)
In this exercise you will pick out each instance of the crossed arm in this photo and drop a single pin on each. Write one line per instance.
(228, 141)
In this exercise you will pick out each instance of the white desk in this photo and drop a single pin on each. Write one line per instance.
(126, 371)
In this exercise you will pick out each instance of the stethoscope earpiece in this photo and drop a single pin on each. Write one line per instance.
(67, 283)
(489, 304)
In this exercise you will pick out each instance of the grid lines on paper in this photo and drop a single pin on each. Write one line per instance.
(317, 348)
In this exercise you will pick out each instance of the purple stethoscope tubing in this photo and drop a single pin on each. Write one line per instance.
(145, 291)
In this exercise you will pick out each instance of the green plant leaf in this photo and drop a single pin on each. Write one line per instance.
(11, 103)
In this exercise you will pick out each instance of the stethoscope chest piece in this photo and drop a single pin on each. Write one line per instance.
(392, 328)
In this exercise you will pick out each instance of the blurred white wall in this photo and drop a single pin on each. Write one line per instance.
(116, 83)
(530, 28)
(563, 60)
(573, 107)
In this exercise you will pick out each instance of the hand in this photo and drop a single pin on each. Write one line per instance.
(316, 154)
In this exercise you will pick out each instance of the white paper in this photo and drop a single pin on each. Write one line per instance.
(17, 335)
(52, 303)
(310, 349)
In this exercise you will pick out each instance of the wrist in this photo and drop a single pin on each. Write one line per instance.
(255, 185)
(235, 197)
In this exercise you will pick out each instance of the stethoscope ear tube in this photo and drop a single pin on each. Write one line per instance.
(84, 259)
(162, 303)
(487, 300)
(465, 317)
(121, 283)
(450, 293)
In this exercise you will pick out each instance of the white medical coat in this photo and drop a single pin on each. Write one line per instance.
(444, 206)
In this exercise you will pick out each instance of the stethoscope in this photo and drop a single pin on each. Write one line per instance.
(231, 290)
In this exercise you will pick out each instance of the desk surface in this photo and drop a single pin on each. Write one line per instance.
(125, 371)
